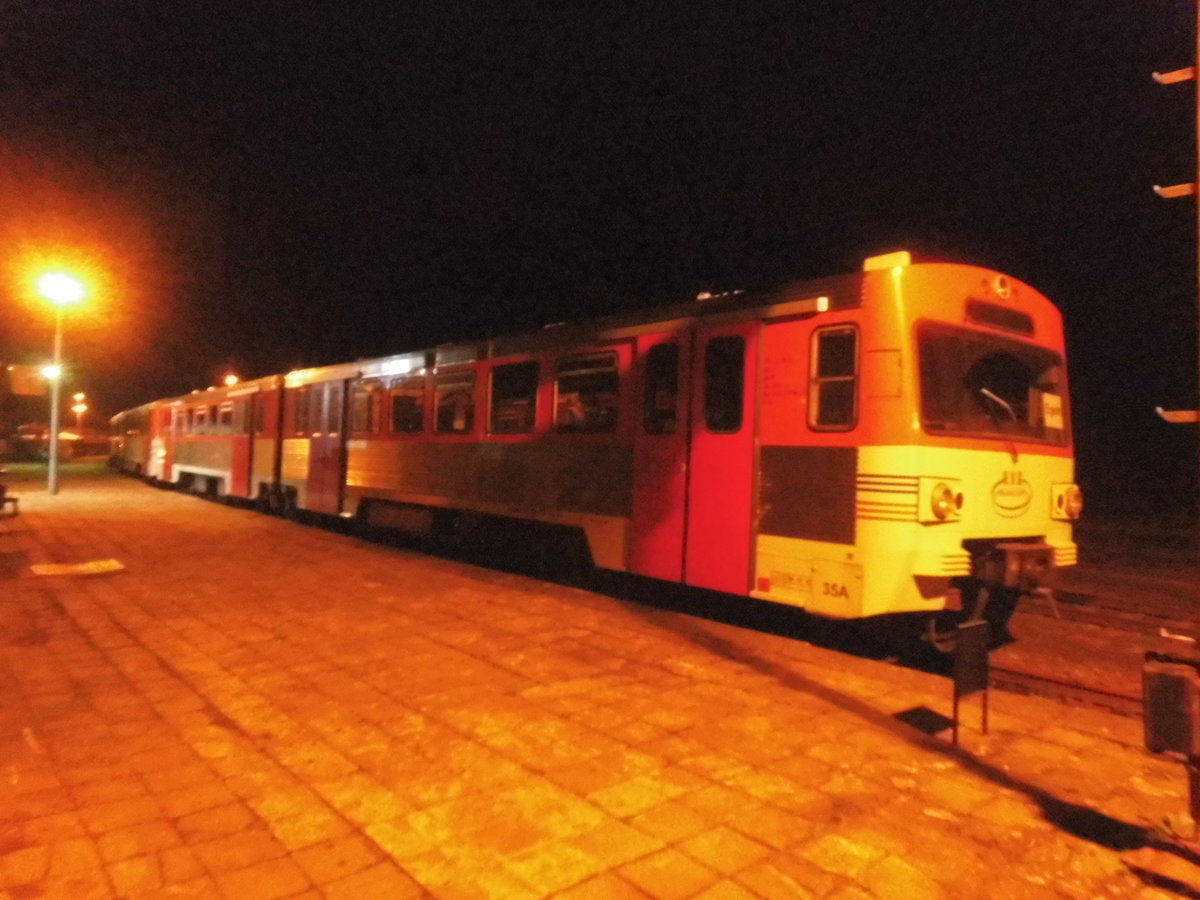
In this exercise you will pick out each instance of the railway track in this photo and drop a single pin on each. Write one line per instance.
(1148, 619)
(1065, 692)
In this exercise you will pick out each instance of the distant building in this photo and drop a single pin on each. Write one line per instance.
(22, 400)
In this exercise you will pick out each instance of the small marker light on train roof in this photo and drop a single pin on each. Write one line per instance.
(822, 304)
(899, 259)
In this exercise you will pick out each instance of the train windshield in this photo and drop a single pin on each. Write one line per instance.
(985, 386)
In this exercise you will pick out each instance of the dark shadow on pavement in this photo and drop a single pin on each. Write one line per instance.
(1075, 819)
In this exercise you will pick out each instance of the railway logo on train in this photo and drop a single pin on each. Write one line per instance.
(891, 445)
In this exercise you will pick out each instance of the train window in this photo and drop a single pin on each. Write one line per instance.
(984, 385)
(224, 420)
(301, 404)
(258, 414)
(514, 398)
(724, 382)
(454, 397)
(333, 408)
(362, 407)
(585, 393)
(833, 382)
(661, 397)
(408, 405)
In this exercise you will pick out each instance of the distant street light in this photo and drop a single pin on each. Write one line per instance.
(231, 380)
(61, 290)
(79, 409)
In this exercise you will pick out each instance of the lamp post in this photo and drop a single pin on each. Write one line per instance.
(61, 290)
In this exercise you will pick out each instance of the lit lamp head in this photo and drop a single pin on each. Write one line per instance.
(60, 288)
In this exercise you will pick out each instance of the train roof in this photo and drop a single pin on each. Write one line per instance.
(793, 298)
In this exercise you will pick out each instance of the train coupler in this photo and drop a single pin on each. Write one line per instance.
(1027, 567)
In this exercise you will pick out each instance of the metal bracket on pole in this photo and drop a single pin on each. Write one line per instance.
(1175, 190)
(1185, 74)
(1178, 416)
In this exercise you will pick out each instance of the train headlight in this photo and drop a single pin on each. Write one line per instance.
(941, 500)
(1066, 502)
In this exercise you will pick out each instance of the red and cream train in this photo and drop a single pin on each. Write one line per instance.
(891, 441)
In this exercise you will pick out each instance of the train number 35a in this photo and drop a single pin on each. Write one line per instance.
(833, 589)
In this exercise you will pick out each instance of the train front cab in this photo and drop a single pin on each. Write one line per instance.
(926, 467)
(130, 440)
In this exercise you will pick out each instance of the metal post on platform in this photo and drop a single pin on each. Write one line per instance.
(1171, 717)
(971, 667)
(62, 290)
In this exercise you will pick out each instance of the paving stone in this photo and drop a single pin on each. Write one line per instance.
(603, 887)
(179, 864)
(383, 879)
(25, 866)
(265, 880)
(786, 877)
(726, 890)
(724, 850)
(841, 855)
(669, 875)
(137, 840)
(215, 822)
(892, 878)
(135, 875)
(309, 827)
(238, 850)
(671, 821)
(335, 859)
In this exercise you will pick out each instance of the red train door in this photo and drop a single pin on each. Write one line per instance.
(242, 446)
(660, 455)
(720, 483)
(325, 460)
(162, 444)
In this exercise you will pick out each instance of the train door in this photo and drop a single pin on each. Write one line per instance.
(325, 461)
(158, 463)
(243, 447)
(720, 482)
(660, 456)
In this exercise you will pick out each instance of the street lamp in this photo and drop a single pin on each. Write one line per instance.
(62, 290)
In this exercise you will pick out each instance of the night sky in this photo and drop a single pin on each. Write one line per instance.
(263, 185)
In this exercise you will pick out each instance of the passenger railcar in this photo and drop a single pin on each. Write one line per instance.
(222, 441)
(895, 441)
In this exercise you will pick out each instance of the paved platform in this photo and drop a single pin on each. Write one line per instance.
(255, 709)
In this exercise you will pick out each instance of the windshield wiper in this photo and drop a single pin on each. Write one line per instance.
(1001, 402)
(1012, 415)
